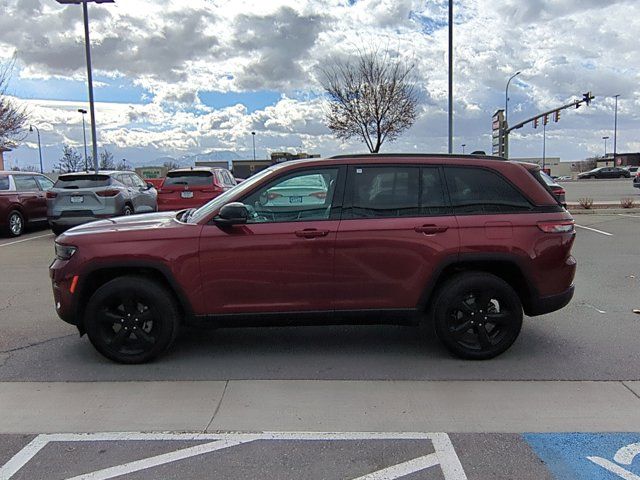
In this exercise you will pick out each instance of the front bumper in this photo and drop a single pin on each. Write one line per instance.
(64, 299)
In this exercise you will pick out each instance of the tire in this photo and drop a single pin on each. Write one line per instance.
(15, 223)
(468, 297)
(127, 210)
(131, 319)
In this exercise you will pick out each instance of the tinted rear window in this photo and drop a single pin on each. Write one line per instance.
(4, 182)
(83, 181)
(188, 178)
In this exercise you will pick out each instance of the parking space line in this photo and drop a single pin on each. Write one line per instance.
(628, 215)
(25, 240)
(595, 230)
(613, 468)
(158, 460)
(402, 469)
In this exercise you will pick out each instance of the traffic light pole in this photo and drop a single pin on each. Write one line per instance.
(587, 97)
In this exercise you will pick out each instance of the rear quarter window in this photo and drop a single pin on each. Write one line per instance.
(82, 181)
(4, 182)
(195, 178)
(476, 190)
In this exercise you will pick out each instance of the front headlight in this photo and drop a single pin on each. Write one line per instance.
(65, 252)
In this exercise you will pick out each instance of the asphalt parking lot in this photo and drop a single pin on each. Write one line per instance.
(609, 190)
(593, 338)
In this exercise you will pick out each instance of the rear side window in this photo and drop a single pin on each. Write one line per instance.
(195, 178)
(26, 183)
(45, 183)
(385, 192)
(4, 182)
(82, 181)
(477, 191)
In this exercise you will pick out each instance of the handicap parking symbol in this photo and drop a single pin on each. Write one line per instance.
(589, 456)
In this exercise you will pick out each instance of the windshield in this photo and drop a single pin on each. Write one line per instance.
(219, 201)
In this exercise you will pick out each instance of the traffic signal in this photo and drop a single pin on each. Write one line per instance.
(556, 115)
(586, 98)
(545, 119)
(535, 122)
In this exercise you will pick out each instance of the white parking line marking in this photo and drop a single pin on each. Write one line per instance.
(595, 230)
(445, 455)
(25, 240)
(626, 454)
(402, 469)
(158, 460)
(613, 468)
(628, 215)
(595, 308)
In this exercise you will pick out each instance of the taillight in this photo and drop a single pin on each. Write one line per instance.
(560, 226)
(560, 191)
(320, 195)
(108, 193)
(52, 194)
(273, 195)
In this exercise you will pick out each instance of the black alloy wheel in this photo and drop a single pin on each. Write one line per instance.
(477, 315)
(15, 223)
(131, 319)
(127, 210)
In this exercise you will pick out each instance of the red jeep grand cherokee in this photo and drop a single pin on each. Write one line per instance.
(468, 242)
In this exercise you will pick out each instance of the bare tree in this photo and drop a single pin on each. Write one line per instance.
(171, 165)
(12, 117)
(106, 160)
(71, 161)
(372, 97)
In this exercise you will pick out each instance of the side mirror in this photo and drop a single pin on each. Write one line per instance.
(150, 186)
(234, 213)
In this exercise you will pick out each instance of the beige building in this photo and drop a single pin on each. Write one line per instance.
(2, 151)
(553, 165)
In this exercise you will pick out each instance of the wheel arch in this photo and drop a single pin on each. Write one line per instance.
(504, 266)
(94, 278)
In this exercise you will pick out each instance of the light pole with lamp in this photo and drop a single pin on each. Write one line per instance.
(463, 145)
(31, 127)
(605, 149)
(615, 130)
(253, 136)
(87, 44)
(506, 114)
(84, 134)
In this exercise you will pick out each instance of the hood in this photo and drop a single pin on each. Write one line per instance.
(148, 221)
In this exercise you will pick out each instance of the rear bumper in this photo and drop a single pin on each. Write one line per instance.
(550, 303)
(72, 220)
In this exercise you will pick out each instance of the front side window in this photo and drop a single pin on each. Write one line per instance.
(301, 196)
(384, 192)
(137, 181)
(26, 183)
(45, 183)
(477, 191)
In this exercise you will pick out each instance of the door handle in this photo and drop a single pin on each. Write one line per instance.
(311, 233)
(431, 229)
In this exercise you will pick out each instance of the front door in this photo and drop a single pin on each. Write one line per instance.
(32, 198)
(282, 259)
(396, 230)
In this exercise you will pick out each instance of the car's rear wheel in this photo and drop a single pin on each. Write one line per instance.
(127, 210)
(131, 319)
(477, 315)
(15, 223)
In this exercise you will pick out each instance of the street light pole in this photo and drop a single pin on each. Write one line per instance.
(87, 44)
(615, 130)
(450, 76)
(506, 98)
(253, 136)
(84, 135)
(605, 149)
(31, 127)
(544, 145)
(463, 145)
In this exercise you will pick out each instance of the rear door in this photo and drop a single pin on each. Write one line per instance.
(31, 197)
(396, 229)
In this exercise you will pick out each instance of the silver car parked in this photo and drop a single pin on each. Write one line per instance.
(78, 198)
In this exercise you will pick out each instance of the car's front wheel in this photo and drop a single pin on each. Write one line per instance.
(131, 319)
(477, 315)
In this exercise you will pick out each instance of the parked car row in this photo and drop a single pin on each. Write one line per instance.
(81, 197)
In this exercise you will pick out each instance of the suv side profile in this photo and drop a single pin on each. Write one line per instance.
(22, 200)
(469, 243)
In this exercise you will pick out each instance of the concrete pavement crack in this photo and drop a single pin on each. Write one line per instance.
(24, 347)
(224, 390)
(630, 389)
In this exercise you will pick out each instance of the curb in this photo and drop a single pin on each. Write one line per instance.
(602, 210)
